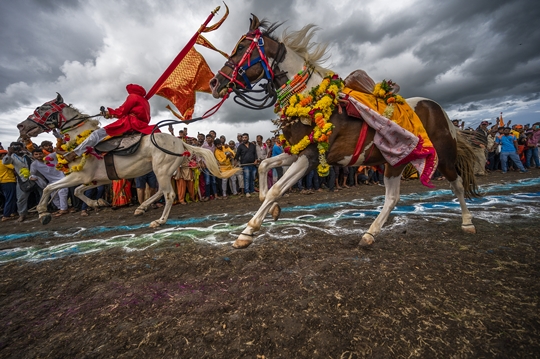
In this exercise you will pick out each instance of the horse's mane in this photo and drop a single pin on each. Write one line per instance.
(90, 121)
(300, 42)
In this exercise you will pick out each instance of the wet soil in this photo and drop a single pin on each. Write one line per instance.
(425, 290)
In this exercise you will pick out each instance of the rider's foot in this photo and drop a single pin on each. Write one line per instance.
(70, 157)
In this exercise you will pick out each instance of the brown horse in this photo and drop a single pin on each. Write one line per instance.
(260, 55)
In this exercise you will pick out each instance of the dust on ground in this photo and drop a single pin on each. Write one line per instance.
(424, 290)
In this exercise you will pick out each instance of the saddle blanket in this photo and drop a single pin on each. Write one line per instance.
(401, 139)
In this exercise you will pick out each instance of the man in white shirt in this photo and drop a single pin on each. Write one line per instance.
(43, 175)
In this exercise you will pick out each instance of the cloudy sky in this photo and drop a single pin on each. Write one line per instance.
(477, 58)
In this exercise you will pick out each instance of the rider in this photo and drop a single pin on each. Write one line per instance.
(133, 115)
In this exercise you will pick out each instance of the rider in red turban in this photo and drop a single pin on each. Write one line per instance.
(133, 115)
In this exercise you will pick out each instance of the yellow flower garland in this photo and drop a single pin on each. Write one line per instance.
(316, 106)
(70, 146)
(385, 91)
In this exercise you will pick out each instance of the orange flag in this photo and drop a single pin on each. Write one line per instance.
(192, 74)
(501, 121)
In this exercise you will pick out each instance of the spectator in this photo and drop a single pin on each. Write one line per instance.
(276, 151)
(8, 187)
(239, 140)
(141, 182)
(21, 163)
(493, 154)
(92, 193)
(531, 154)
(238, 177)
(262, 150)
(509, 150)
(270, 175)
(121, 193)
(44, 175)
(184, 178)
(224, 156)
(210, 189)
(247, 155)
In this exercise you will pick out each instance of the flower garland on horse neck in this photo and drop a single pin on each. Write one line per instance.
(316, 106)
(69, 145)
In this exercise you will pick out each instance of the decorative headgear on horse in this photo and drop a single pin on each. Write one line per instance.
(58, 118)
(257, 42)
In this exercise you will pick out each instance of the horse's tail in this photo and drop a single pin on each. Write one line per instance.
(465, 166)
(211, 162)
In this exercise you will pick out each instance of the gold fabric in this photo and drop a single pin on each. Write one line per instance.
(192, 74)
(403, 114)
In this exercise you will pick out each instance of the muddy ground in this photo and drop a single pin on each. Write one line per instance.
(304, 290)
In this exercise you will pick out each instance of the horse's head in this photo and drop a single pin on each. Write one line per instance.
(249, 61)
(44, 119)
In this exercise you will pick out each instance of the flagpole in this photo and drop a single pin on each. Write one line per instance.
(179, 57)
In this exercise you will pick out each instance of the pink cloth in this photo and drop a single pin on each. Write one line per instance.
(396, 144)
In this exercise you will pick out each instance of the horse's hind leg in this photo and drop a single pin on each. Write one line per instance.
(466, 225)
(144, 206)
(392, 183)
(166, 189)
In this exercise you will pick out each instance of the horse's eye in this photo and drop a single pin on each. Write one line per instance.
(240, 48)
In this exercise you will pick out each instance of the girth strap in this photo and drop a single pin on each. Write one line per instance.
(109, 166)
(359, 144)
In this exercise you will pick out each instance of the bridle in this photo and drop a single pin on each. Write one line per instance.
(55, 113)
(54, 117)
(243, 89)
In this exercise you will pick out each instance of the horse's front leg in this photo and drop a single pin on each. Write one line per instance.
(68, 181)
(392, 183)
(466, 225)
(283, 159)
(297, 170)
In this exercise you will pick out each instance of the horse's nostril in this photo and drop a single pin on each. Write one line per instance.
(20, 126)
(213, 82)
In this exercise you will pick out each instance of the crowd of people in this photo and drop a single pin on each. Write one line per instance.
(23, 173)
(504, 148)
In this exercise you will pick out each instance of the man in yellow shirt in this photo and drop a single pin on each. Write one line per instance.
(224, 155)
(8, 187)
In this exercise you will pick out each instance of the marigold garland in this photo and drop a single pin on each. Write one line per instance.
(70, 145)
(317, 106)
(385, 90)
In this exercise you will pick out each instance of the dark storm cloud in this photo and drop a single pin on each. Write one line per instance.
(38, 36)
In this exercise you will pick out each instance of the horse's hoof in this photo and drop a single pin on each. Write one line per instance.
(138, 212)
(366, 241)
(45, 218)
(155, 224)
(470, 228)
(102, 203)
(276, 211)
(242, 243)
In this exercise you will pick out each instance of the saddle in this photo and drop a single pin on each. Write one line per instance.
(124, 145)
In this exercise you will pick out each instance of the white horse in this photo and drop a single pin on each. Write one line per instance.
(67, 119)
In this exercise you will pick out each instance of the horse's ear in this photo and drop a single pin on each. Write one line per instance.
(254, 23)
(59, 98)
